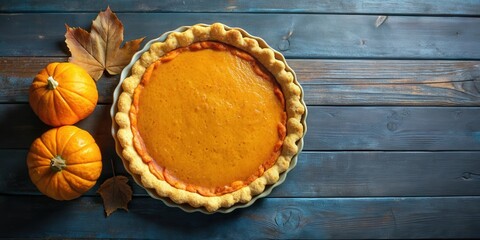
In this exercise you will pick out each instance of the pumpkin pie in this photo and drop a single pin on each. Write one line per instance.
(209, 117)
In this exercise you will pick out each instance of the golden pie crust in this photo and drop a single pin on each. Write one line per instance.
(150, 173)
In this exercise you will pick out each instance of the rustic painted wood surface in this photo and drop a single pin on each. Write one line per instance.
(286, 218)
(393, 143)
(410, 7)
(295, 35)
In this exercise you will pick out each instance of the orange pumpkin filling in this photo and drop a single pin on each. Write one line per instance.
(208, 118)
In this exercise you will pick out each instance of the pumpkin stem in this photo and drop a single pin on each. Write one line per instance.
(57, 163)
(52, 84)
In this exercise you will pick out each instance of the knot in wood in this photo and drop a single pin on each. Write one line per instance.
(392, 126)
(288, 219)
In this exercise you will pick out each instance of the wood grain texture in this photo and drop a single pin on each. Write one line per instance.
(428, 7)
(325, 81)
(389, 82)
(320, 174)
(22, 126)
(444, 217)
(329, 128)
(295, 35)
(393, 128)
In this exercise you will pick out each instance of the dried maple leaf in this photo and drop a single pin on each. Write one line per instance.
(100, 49)
(116, 193)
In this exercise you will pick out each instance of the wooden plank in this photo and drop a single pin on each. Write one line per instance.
(332, 218)
(389, 82)
(393, 128)
(297, 35)
(329, 128)
(321, 174)
(428, 7)
(22, 126)
(325, 81)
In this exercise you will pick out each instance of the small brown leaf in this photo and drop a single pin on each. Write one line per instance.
(116, 193)
(100, 49)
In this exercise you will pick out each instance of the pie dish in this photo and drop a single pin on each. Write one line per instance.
(208, 116)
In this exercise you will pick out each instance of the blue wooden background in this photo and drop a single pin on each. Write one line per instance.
(393, 148)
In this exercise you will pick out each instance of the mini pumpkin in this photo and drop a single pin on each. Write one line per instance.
(63, 94)
(64, 162)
